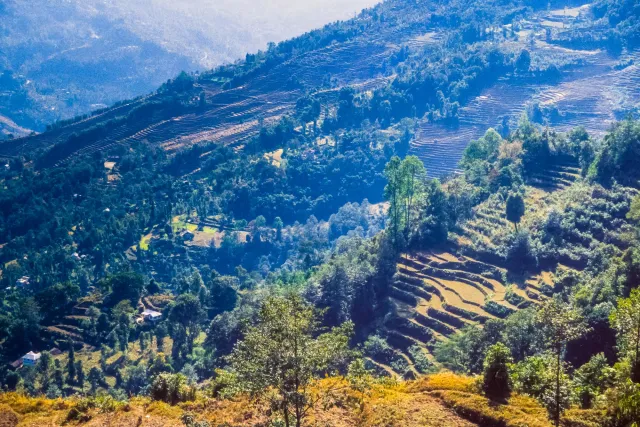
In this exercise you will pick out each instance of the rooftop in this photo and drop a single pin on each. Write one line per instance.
(152, 313)
(31, 356)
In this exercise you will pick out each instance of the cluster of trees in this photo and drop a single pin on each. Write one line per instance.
(561, 353)
(542, 372)
(110, 324)
(578, 347)
(623, 17)
(47, 217)
(106, 220)
(418, 213)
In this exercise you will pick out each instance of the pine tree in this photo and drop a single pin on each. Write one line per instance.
(392, 193)
(58, 376)
(44, 367)
(161, 333)
(71, 365)
(143, 343)
(80, 373)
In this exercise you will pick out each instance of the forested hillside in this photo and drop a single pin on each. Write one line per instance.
(61, 59)
(426, 215)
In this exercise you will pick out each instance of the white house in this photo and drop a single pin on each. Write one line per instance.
(30, 359)
(151, 315)
(23, 281)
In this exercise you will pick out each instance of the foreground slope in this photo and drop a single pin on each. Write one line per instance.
(440, 400)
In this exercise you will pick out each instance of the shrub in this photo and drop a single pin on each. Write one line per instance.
(496, 383)
(172, 389)
(377, 348)
(520, 255)
(497, 310)
(420, 360)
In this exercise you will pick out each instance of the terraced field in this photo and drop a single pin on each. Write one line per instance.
(436, 294)
(69, 328)
(234, 115)
(556, 177)
(593, 95)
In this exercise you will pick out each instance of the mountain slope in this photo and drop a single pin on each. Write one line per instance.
(61, 59)
(582, 87)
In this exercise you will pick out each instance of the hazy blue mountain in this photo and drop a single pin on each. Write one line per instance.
(62, 58)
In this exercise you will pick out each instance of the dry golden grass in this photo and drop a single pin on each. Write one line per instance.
(275, 157)
(466, 291)
(520, 411)
(583, 418)
(443, 381)
(443, 399)
(8, 417)
(32, 411)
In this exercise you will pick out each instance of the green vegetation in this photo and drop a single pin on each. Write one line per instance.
(515, 209)
(497, 383)
(284, 353)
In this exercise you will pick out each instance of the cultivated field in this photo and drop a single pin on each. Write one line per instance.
(594, 94)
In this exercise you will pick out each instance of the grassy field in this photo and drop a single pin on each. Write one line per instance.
(438, 400)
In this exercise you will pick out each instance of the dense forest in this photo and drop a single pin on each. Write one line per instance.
(319, 248)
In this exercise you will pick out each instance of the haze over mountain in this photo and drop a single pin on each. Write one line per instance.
(60, 58)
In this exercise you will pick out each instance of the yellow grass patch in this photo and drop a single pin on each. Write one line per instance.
(547, 277)
(179, 224)
(467, 292)
(443, 399)
(443, 381)
(518, 412)
(205, 239)
(275, 157)
(164, 410)
(395, 407)
(144, 242)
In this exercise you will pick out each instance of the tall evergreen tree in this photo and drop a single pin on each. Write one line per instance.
(71, 365)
